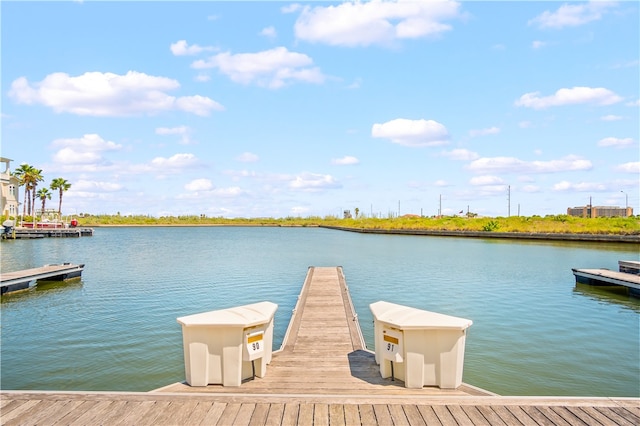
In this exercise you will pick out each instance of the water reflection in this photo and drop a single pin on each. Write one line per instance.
(609, 294)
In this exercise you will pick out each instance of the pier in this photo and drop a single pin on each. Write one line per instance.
(323, 374)
(20, 280)
(32, 233)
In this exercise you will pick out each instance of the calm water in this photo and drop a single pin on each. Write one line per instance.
(534, 331)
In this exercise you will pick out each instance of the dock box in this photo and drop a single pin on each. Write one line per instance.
(421, 348)
(229, 345)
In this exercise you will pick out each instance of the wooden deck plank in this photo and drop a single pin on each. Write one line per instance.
(445, 416)
(290, 414)
(214, 414)
(275, 415)
(260, 413)
(582, 414)
(18, 409)
(305, 415)
(91, 415)
(245, 413)
(413, 415)
(351, 415)
(522, 416)
(229, 414)
(491, 416)
(467, 415)
(429, 415)
(367, 414)
(615, 417)
(383, 417)
(321, 415)
(397, 415)
(568, 416)
(336, 415)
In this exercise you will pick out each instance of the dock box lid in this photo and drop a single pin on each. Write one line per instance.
(240, 316)
(407, 318)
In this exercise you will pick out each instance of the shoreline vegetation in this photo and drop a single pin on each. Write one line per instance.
(557, 227)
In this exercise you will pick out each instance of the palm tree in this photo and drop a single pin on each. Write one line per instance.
(23, 173)
(35, 176)
(43, 194)
(61, 185)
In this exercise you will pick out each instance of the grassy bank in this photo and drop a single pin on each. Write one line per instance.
(560, 224)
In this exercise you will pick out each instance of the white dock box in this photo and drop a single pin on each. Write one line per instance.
(229, 345)
(421, 348)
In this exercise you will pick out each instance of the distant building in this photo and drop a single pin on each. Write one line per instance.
(10, 187)
(600, 211)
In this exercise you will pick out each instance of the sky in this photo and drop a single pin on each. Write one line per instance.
(297, 109)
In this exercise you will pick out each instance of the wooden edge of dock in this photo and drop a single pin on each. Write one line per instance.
(572, 401)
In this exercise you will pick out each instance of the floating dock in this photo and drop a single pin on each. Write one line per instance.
(31, 233)
(20, 280)
(627, 276)
(322, 375)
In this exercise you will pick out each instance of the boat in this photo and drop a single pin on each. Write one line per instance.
(627, 275)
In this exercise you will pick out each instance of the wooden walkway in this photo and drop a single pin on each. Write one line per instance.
(323, 375)
(19, 280)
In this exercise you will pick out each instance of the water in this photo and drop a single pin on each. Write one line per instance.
(534, 332)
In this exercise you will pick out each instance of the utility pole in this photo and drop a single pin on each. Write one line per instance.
(440, 207)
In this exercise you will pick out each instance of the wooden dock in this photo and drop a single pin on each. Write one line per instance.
(606, 277)
(20, 280)
(322, 375)
(34, 233)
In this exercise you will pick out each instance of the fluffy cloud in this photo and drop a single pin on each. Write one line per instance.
(174, 163)
(96, 186)
(272, 68)
(632, 167)
(415, 133)
(579, 187)
(86, 150)
(108, 95)
(486, 180)
(269, 32)
(247, 157)
(312, 182)
(183, 131)
(611, 117)
(575, 95)
(199, 185)
(182, 48)
(617, 142)
(347, 160)
(515, 165)
(461, 154)
(375, 22)
(572, 15)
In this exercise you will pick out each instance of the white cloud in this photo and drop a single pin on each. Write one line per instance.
(375, 22)
(182, 48)
(515, 165)
(441, 183)
(108, 94)
(86, 150)
(269, 32)
(611, 117)
(537, 44)
(272, 68)
(575, 95)
(572, 15)
(199, 185)
(580, 187)
(415, 133)
(617, 142)
(312, 182)
(461, 154)
(247, 157)
(175, 163)
(482, 132)
(485, 180)
(632, 167)
(347, 160)
(95, 186)
(181, 130)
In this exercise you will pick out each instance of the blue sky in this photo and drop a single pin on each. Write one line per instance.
(275, 109)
